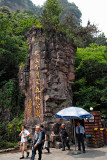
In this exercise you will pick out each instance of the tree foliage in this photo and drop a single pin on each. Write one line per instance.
(11, 98)
(50, 16)
(13, 45)
(90, 86)
(14, 128)
(82, 36)
(13, 52)
(101, 39)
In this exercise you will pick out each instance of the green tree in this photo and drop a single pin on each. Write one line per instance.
(13, 52)
(101, 39)
(14, 128)
(90, 86)
(50, 16)
(82, 36)
(11, 98)
(13, 44)
(23, 21)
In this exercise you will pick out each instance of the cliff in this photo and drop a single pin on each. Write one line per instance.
(21, 5)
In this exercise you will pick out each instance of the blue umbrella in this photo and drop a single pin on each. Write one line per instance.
(73, 113)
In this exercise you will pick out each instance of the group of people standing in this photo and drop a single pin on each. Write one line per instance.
(40, 140)
(80, 137)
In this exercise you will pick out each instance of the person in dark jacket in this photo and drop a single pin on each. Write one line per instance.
(64, 138)
(44, 138)
(37, 143)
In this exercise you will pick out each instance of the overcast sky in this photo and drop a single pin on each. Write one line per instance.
(93, 10)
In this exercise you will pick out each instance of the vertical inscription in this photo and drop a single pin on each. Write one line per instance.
(37, 83)
(28, 109)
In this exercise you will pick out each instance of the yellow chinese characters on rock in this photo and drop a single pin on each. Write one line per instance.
(37, 74)
(37, 97)
(28, 109)
(37, 104)
(37, 90)
(37, 113)
(36, 53)
(37, 83)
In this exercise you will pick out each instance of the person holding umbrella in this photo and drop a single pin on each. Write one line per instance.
(80, 136)
(64, 138)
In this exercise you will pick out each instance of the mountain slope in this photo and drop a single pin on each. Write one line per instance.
(21, 5)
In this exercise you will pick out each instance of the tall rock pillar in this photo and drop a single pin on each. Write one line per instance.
(50, 74)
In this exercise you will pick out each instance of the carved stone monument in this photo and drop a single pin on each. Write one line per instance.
(46, 80)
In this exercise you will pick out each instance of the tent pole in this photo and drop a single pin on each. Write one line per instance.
(74, 134)
(72, 129)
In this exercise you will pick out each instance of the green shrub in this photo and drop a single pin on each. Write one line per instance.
(14, 128)
(5, 144)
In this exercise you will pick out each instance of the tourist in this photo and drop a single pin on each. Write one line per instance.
(23, 144)
(37, 143)
(80, 136)
(64, 138)
(44, 138)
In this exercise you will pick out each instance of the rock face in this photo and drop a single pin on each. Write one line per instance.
(46, 80)
(21, 5)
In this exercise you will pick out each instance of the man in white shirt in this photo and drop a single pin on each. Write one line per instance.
(23, 144)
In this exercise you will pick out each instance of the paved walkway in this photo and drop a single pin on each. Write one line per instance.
(57, 154)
